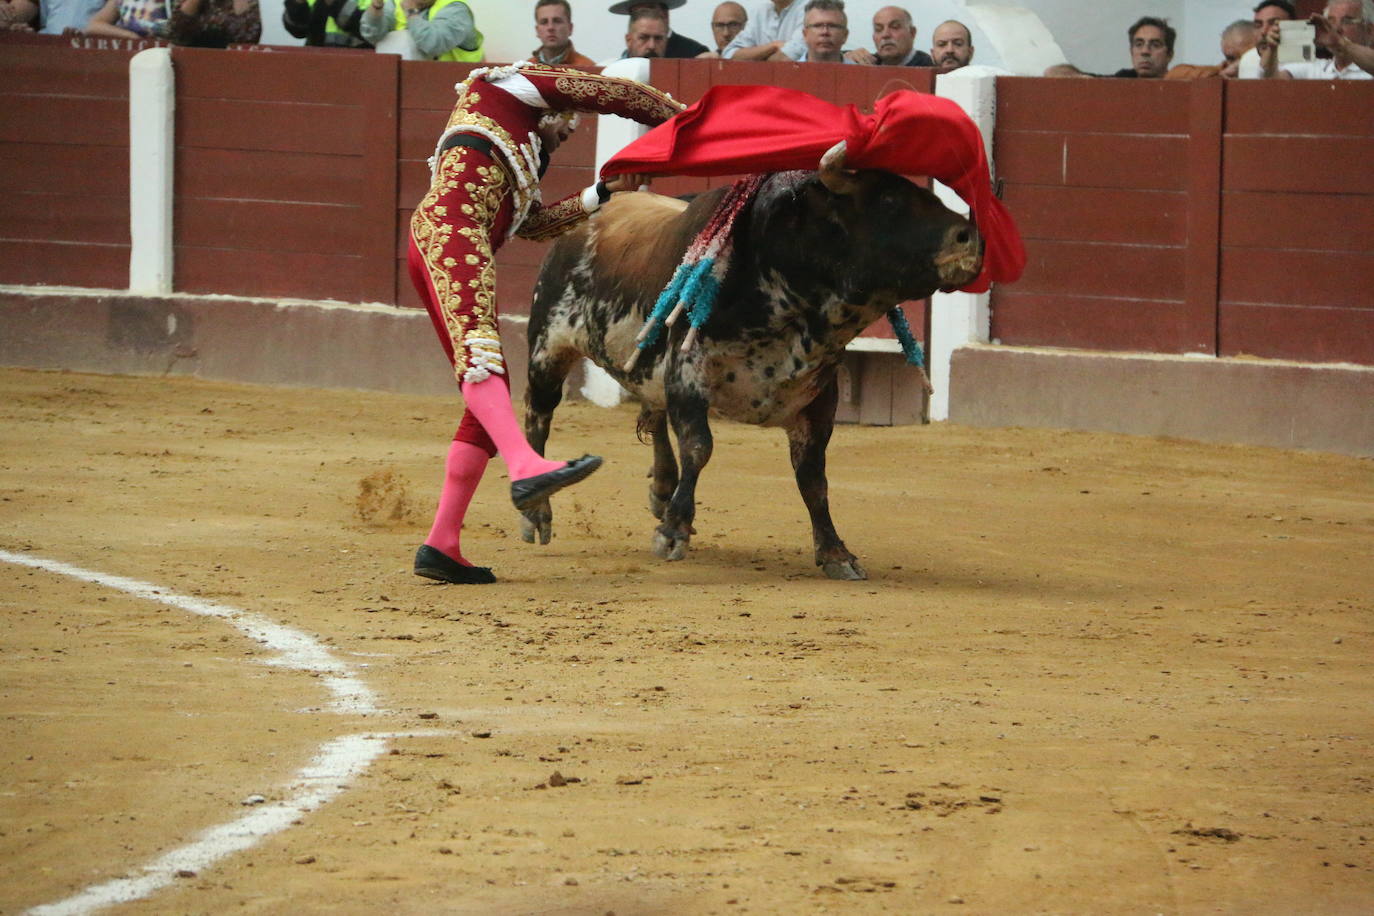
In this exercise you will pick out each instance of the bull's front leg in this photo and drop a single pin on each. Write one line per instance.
(542, 396)
(808, 437)
(687, 413)
(663, 476)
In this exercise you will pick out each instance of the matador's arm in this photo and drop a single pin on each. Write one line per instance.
(566, 89)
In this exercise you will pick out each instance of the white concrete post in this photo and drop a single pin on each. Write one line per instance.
(152, 102)
(957, 319)
(612, 135)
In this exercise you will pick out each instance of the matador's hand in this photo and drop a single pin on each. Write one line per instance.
(626, 182)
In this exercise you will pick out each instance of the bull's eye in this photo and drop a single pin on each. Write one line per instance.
(962, 237)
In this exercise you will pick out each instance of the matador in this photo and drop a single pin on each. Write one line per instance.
(484, 190)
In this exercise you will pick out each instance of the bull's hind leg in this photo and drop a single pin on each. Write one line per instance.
(542, 396)
(694, 442)
(808, 437)
(663, 476)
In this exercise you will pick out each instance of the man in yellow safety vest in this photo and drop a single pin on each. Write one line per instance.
(440, 29)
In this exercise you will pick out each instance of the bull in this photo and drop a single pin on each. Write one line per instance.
(818, 257)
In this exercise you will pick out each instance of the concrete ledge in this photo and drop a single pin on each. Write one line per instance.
(311, 344)
(1256, 402)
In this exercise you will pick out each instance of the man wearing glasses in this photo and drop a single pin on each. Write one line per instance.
(825, 29)
(726, 22)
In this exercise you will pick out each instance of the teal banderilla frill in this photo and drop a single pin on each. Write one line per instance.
(911, 348)
(696, 282)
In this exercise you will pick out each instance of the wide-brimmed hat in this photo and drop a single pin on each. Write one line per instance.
(622, 8)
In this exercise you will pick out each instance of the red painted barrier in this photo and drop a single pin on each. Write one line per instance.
(1214, 218)
(64, 139)
(285, 174)
(1224, 218)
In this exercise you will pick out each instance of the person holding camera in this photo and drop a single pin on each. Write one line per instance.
(1346, 30)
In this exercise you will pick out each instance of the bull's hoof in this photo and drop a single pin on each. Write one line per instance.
(670, 548)
(848, 570)
(537, 521)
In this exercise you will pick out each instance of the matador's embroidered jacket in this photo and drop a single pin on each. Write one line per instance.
(478, 198)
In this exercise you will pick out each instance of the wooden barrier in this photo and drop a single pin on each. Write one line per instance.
(1297, 222)
(64, 139)
(1211, 218)
(1222, 218)
(285, 174)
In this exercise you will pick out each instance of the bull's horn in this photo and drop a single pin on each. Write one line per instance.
(833, 173)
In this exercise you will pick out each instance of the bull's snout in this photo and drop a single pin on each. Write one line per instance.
(961, 255)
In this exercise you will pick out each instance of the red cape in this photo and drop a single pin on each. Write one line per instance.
(747, 129)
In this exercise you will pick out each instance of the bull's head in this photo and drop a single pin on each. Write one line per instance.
(911, 230)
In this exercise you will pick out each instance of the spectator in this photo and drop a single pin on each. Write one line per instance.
(215, 23)
(773, 32)
(951, 46)
(17, 15)
(325, 23)
(1345, 30)
(57, 16)
(1268, 15)
(553, 27)
(894, 42)
(130, 19)
(825, 27)
(648, 34)
(1152, 48)
(1236, 39)
(726, 22)
(677, 46)
(438, 29)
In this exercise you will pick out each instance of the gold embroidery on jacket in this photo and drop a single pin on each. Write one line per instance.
(487, 195)
(545, 223)
(432, 234)
(472, 330)
(593, 92)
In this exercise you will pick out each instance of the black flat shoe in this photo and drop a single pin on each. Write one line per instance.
(530, 491)
(434, 564)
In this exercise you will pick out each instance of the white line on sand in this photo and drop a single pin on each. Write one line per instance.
(297, 650)
(338, 761)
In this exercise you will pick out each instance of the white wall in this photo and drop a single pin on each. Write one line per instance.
(1199, 40)
(1092, 35)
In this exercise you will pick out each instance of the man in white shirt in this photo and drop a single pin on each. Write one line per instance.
(1268, 15)
(1345, 30)
(773, 32)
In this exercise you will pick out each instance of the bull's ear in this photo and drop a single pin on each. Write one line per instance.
(834, 175)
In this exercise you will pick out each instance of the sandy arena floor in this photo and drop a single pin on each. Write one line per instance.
(1089, 674)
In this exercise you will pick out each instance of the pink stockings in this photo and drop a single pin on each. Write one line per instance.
(488, 427)
(489, 402)
(462, 472)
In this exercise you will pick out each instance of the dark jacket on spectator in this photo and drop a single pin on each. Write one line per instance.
(324, 22)
(215, 25)
(682, 46)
